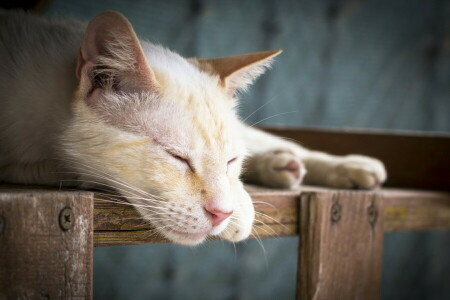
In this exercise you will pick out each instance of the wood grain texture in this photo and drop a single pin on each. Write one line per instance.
(38, 259)
(116, 223)
(338, 257)
(413, 160)
(415, 210)
(341, 242)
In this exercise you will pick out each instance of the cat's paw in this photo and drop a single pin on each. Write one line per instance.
(279, 168)
(357, 171)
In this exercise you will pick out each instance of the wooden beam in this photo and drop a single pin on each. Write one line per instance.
(340, 247)
(117, 223)
(46, 245)
(413, 160)
(406, 210)
(341, 243)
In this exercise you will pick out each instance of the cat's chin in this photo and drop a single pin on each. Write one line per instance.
(186, 238)
(192, 239)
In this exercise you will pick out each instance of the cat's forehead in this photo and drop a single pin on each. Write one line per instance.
(188, 119)
(194, 117)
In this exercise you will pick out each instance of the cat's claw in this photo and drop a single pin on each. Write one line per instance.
(357, 171)
(278, 168)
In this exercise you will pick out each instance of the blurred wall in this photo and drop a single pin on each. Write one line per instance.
(356, 63)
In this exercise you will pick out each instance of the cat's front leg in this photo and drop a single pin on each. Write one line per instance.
(351, 171)
(279, 168)
(273, 162)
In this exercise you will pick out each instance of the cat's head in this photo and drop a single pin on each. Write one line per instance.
(163, 131)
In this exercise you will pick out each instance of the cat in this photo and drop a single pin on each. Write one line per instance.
(94, 106)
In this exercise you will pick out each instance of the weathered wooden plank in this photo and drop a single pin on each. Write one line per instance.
(415, 210)
(277, 214)
(149, 236)
(117, 223)
(46, 245)
(115, 213)
(341, 242)
(127, 237)
(413, 160)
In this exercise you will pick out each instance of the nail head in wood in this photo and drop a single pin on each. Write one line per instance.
(372, 213)
(335, 212)
(66, 218)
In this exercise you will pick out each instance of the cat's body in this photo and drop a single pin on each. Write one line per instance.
(37, 83)
(141, 119)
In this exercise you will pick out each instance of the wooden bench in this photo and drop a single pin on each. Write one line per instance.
(47, 236)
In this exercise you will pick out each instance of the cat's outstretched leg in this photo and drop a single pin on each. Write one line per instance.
(279, 163)
(351, 171)
(278, 168)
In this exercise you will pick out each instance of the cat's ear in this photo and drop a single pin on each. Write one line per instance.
(239, 71)
(111, 56)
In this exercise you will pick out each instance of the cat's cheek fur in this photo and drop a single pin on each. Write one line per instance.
(241, 222)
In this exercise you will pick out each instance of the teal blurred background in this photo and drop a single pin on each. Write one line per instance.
(381, 64)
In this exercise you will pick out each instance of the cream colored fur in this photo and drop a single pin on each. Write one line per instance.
(160, 129)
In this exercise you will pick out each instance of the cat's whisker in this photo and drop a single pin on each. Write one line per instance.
(235, 251)
(94, 174)
(225, 232)
(159, 210)
(256, 110)
(257, 221)
(157, 231)
(130, 197)
(145, 218)
(260, 242)
(266, 203)
(233, 217)
(108, 177)
(290, 139)
(256, 235)
(273, 116)
(153, 209)
(112, 195)
(143, 207)
(264, 227)
(271, 218)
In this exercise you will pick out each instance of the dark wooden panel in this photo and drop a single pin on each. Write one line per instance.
(413, 160)
(341, 244)
(42, 257)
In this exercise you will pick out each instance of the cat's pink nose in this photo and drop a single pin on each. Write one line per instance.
(217, 215)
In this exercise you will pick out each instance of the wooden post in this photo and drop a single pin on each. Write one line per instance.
(341, 241)
(46, 245)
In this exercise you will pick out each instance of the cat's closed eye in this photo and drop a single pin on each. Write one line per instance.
(183, 160)
(231, 161)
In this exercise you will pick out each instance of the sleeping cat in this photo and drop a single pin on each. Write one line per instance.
(94, 106)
